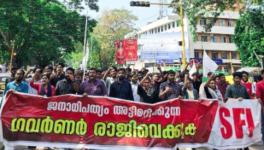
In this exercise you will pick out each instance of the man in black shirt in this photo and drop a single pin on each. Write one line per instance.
(121, 88)
(196, 81)
(65, 86)
(170, 89)
(58, 76)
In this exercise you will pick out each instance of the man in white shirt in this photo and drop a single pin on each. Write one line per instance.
(134, 85)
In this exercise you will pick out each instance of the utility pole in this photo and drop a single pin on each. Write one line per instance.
(183, 36)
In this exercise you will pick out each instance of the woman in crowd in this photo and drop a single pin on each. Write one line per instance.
(145, 91)
(189, 92)
(211, 91)
(44, 88)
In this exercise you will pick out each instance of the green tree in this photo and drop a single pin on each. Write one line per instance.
(113, 25)
(39, 31)
(195, 9)
(95, 60)
(249, 37)
(74, 58)
(78, 4)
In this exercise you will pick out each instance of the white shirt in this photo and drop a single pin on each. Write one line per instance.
(135, 90)
(190, 94)
(108, 82)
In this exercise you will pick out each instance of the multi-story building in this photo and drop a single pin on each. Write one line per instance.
(159, 40)
(218, 43)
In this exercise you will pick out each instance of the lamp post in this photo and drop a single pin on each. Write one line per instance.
(85, 47)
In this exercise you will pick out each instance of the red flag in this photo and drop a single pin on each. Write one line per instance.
(130, 49)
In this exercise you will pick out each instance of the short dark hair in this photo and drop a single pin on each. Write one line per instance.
(79, 72)
(36, 68)
(113, 68)
(99, 70)
(71, 69)
(237, 74)
(121, 69)
(195, 74)
(49, 67)
(128, 69)
(21, 71)
(244, 72)
(211, 79)
(158, 74)
(14, 68)
(209, 74)
(61, 64)
(94, 69)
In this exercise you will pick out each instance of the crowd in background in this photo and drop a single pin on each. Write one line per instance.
(135, 85)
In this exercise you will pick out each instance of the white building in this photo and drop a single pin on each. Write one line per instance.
(218, 42)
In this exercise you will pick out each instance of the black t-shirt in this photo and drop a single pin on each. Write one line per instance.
(196, 85)
(56, 79)
(122, 90)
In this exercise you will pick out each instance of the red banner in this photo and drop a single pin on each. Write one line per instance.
(100, 122)
(130, 49)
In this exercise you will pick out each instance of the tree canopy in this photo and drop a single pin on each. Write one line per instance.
(195, 9)
(112, 25)
(249, 37)
(39, 31)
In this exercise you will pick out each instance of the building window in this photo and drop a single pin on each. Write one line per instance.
(222, 22)
(165, 27)
(223, 39)
(234, 55)
(225, 68)
(230, 39)
(213, 40)
(224, 55)
(203, 21)
(158, 29)
(204, 38)
(169, 26)
(197, 54)
(173, 24)
(229, 23)
(214, 55)
(161, 30)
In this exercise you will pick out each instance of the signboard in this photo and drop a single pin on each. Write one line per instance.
(162, 46)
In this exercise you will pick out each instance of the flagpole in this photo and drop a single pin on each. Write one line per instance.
(85, 44)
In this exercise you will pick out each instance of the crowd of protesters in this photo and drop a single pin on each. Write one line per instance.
(135, 85)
